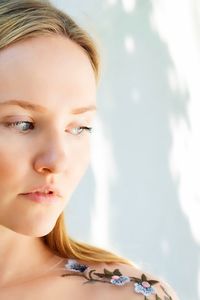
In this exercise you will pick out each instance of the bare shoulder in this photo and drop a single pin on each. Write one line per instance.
(118, 281)
(140, 284)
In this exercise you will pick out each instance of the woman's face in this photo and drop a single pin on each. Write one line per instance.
(55, 75)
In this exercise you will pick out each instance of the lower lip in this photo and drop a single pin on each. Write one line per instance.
(42, 198)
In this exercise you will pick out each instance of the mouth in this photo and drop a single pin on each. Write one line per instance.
(42, 197)
(47, 189)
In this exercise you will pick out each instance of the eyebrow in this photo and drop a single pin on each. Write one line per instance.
(39, 108)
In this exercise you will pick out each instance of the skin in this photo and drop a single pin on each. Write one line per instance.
(56, 73)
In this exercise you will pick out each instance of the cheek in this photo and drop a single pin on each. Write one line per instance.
(7, 167)
(79, 161)
(10, 169)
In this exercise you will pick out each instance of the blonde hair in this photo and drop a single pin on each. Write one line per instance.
(22, 19)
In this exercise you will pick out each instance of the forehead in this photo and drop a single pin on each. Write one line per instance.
(49, 70)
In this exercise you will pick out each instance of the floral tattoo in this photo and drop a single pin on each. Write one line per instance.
(141, 285)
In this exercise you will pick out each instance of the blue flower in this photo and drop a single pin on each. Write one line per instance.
(146, 291)
(73, 265)
(119, 280)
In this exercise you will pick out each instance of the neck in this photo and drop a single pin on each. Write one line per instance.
(22, 256)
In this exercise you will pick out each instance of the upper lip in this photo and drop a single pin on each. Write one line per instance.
(45, 189)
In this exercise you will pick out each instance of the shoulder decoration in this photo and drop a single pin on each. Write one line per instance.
(141, 285)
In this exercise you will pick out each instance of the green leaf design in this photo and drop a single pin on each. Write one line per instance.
(108, 273)
(152, 282)
(144, 278)
(157, 297)
(117, 272)
(135, 278)
(100, 275)
(138, 280)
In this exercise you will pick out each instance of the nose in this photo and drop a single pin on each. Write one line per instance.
(52, 157)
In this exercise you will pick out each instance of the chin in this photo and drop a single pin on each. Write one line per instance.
(36, 230)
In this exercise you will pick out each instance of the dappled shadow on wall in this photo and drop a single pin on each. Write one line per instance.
(147, 105)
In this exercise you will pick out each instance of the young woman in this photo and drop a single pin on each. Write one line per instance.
(49, 70)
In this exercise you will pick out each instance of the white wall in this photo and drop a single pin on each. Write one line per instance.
(141, 195)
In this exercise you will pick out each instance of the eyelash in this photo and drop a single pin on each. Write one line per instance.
(85, 128)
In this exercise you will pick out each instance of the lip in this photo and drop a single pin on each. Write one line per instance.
(45, 189)
(42, 197)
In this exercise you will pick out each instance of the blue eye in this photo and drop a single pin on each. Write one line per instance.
(14, 124)
(82, 129)
(31, 126)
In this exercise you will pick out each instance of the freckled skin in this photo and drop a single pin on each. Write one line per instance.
(56, 73)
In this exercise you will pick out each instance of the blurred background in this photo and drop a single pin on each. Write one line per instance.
(141, 195)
